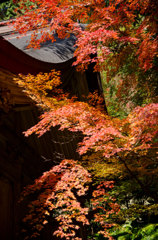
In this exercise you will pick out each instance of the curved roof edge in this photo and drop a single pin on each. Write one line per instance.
(15, 54)
(18, 61)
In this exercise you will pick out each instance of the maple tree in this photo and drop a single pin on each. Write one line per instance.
(102, 27)
(119, 36)
(111, 137)
(106, 32)
(102, 133)
(61, 193)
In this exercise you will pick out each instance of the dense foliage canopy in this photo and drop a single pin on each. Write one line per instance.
(110, 26)
(121, 38)
(113, 149)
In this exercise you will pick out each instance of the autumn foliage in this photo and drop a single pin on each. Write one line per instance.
(62, 192)
(106, 32)
(101, 132)
(110, 136)
(101, 27)
(61, 195)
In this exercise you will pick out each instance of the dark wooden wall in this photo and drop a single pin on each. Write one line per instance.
(23, 159)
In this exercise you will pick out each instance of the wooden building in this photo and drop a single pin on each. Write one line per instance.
(24, 159)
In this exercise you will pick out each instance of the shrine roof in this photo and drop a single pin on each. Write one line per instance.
(57, 52)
